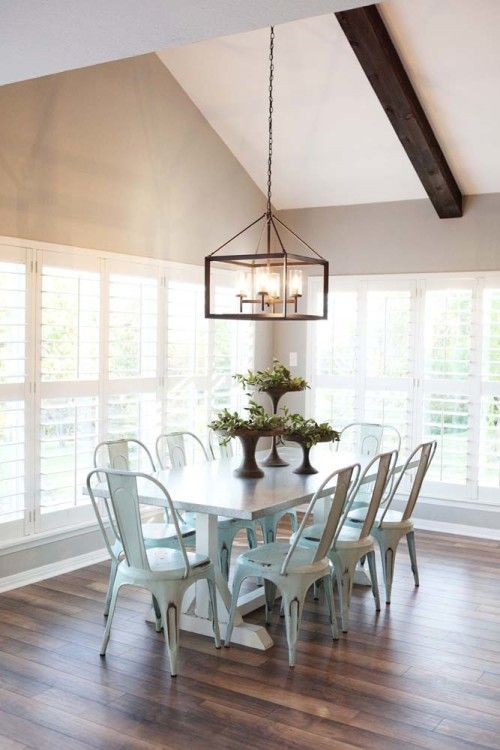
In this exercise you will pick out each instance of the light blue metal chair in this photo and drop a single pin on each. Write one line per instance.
(390, 526)
(224, 449)
(120, 454)
(370, 439)
(178, 449)
(351, 545)
(293, 569)
(165, 573)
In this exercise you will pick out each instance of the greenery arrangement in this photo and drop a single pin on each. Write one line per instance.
(259, 420)
(308, 432)
(277, 377)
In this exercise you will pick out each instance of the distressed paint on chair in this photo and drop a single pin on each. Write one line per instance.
(352, 545)
(293, 569)
(389, 527)
(166, 573)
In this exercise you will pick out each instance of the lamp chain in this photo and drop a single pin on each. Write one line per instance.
(270, 123)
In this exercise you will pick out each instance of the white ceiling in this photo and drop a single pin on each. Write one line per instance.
(333, 142)
(38, 38)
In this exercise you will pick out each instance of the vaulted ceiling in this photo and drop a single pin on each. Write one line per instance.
(39, 38)
(333, 142)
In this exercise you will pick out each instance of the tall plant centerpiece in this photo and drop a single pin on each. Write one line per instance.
(307, 433)
(275, 381)
(258, 424)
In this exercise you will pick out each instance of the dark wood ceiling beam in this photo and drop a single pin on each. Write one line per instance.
(372, 45)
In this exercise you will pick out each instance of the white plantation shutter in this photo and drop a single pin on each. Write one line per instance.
(426, 353)
(362, 356)
(133, 302)
(130, 382)
(95, 346)
(15, 501)
(489, 422)
(67, 395)
(447, 383)
(202, 355)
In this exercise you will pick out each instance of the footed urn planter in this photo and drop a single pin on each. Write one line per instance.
(273, 458)
(305, 467)
(249, 469)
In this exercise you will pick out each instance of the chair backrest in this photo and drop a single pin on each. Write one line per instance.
(343, 479)
(174, 449)
(422, 455)
(220, 447)
(369, 437)
(385, 463)
(126, 518)
(118, 454)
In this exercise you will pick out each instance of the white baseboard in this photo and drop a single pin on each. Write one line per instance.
(26, 577)
(461, 529)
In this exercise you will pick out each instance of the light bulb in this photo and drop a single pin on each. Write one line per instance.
(243, 284)
(295, 283)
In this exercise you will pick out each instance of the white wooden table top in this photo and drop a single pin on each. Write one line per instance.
(211, 487)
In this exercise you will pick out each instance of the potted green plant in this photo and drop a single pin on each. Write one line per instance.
(275, 381)
(258, 424)
(307, 433)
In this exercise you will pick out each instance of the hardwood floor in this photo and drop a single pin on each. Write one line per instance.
(425, 673)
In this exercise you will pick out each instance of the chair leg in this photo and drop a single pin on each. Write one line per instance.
(169, 608)
(372, 564)
(251, 538)
(315, 591)
(212, 592)
(270, 592)
(224, 555)
(410, 538)
(112, 607)
(388, 544)
(238, 580)
(328, 589)
(293, 616)
(268, 525)
(156, 608)
(344, 573)
(112, 576)
(294, 521)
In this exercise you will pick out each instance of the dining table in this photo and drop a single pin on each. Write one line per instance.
(211, 489)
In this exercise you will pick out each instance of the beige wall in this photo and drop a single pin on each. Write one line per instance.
(400, 237)
(117, 157)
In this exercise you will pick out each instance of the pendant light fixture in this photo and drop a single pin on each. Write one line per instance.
(269, 283)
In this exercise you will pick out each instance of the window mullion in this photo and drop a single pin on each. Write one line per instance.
(361, 352)
(103, 349)
(476, 388)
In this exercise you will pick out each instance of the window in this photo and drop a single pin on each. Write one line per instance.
(421, 353)
(94, 347)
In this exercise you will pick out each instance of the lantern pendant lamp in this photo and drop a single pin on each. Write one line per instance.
(269, 265)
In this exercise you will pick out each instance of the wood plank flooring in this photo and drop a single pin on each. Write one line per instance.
(424, 673)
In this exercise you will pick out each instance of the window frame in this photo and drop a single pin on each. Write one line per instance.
(475, 386)
(32, 391)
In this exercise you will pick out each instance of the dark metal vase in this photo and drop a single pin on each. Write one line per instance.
(273, 458)
(249, 468)
(305, 467)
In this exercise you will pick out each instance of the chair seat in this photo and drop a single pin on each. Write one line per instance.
(392, 519)
(154, 531)
(270, 557)
(165, 564)
(348, 537)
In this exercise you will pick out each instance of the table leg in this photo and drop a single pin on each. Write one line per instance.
(246, 634)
